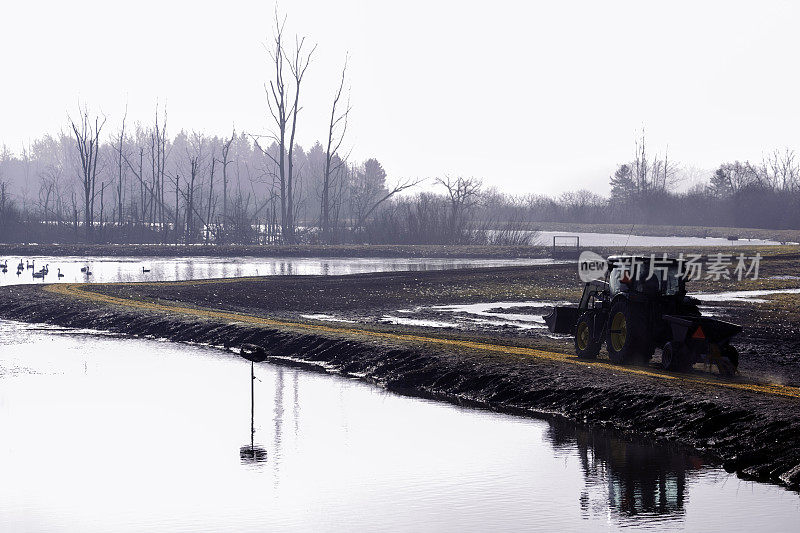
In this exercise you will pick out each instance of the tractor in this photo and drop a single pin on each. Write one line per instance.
(640, 304)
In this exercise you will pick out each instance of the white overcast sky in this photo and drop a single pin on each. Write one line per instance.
(530, 96)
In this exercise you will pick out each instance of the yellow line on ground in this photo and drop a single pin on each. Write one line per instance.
(78, 291)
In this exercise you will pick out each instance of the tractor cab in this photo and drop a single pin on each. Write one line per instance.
(646, 275)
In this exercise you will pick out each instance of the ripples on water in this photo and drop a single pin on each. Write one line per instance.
(104, 433)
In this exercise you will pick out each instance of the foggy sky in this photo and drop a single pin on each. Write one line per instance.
(531, 96)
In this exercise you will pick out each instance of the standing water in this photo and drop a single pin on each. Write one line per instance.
(621, 240)
(105, 433)
(74, 269)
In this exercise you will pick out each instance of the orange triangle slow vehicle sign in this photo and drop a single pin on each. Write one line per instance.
(698, 334)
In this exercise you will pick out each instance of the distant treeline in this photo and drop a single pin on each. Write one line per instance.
(143, 186)
(745, 195)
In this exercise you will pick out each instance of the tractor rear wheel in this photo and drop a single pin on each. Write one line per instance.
(627, 340)
(586, 347)
(732, 355)
(675, 357)
(669, 357)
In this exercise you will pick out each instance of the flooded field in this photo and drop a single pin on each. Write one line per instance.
(621, 240)
(107, 433)
(76, 269)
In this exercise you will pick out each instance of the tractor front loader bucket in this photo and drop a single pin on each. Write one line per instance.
(562, 320)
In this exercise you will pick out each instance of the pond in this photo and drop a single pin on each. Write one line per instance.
(105, 433)
(111, 269)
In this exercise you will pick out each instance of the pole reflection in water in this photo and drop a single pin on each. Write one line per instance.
(250, 453)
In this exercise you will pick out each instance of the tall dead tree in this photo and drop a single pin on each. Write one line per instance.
(158, 155)
(283, 100)
(225, 161)
(277, 103)
(177, 206)
(102, 205)
(337, 127)
(194, 165)
(87, 140)
(210, 197)
(298, 65)
(120, 169)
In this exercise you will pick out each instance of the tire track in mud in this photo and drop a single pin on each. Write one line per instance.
(80, 291)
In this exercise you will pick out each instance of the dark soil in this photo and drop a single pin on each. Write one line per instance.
(754, 434)
(770, 341)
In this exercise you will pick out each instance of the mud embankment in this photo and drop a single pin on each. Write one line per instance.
(756, 435)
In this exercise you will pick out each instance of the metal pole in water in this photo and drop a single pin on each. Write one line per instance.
(252, 403)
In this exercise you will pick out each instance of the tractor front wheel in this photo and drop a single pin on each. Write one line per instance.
(586, 347)
(627, 340)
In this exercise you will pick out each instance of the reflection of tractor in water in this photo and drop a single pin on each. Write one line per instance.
(626, 476)
(640, 305)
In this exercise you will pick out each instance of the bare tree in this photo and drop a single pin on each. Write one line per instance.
(87, 140)
(337, 127)
(730, 178)
(209, 214)
(463, 194)
(50, 193)
(780, 170)
(158, 158)
(121, 169)
(5, 203)
(277, 104)
(284, 109)
(298, 65)
(225, 161)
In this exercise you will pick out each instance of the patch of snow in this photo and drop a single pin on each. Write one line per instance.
(743, 296)
(504, 323)
(328, 318)
(482, 309)
(403, 321)
(707, 310)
